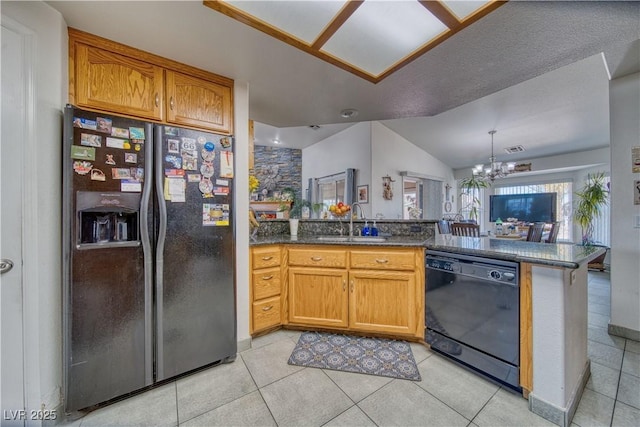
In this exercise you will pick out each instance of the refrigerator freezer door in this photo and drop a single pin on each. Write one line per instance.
(106, 306)
(195, 290)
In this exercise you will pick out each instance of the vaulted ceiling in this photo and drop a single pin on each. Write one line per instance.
(531, 69)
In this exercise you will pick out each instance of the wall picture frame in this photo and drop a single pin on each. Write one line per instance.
(363, 194)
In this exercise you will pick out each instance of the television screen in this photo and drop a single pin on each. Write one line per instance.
(536, 207)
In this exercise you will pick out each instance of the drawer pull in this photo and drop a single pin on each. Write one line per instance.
(316, 258)
(267, 258)
(382, 261)
(267, 308)
(267, 277)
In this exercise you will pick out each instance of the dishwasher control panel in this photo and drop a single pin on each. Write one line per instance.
(476, 267)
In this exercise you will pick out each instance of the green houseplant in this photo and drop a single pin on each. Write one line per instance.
(470, 186)
(589, 202)
(295, 210)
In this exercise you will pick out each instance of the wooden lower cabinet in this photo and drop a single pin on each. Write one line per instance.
(366, 290)
(318, 296)
(382, 301)
(266, 288)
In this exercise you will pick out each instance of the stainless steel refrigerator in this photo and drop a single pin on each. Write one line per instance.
(148, 234)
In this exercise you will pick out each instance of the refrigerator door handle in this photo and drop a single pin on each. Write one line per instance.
(162, 234)
(145, 237)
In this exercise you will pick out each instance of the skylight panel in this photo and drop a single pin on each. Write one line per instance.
(463, 8)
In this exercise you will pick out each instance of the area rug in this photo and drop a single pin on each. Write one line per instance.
(373, 356)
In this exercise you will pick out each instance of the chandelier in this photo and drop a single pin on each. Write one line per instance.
(495, 169)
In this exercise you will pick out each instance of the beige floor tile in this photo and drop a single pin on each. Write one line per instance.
(249, 410)
(508, 409)
(599, 320)
(269, 363)
(306, 398)
(458, 388)
(633, 346)
(156, 407)
(420, 352)
(357, 386)
(631, 363)
(602, 336)
(625, 416)
(351, 417)
(629, 390)
(605, 354)
(594, 409)
(604, 380)
(207, 390)
(403, 403)
(270, 338)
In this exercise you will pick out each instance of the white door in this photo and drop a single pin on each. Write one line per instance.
(14, 96)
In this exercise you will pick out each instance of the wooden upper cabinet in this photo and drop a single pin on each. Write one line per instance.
(199, 103)
(108, 76)
(112, 82)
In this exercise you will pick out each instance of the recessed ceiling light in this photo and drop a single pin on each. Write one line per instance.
(314, 127)
(276, 141)
(348, 113)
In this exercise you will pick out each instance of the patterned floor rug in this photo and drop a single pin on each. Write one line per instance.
(374, 356)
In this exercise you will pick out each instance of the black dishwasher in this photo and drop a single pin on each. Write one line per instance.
(473, 313)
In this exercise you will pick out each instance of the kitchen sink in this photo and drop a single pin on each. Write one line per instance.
(371, 239)
(361, 239)
(334, 238)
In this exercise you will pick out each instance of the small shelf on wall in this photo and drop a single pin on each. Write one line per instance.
(271, 210)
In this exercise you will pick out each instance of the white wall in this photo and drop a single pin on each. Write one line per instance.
(350, 148)
(42, 204)
(624, 100)
(392, 154)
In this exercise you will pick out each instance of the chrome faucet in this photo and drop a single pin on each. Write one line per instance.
(353, 207)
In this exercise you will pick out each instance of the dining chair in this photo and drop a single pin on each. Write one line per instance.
(553, 233)
(535, 232)
(444, 227)
(465, 229)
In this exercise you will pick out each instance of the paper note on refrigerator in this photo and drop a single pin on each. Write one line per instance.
(226, 164)
(176, 189)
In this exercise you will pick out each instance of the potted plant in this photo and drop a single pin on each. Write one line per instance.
(295, 211)
(589, 202)
(470, 186)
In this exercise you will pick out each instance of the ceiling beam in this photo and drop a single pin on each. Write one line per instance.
(441, 12)
(335, 24)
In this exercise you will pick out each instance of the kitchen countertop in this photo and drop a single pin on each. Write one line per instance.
(565, 255)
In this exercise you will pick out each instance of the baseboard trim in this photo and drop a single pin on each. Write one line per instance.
(624, 332)
(554, 414)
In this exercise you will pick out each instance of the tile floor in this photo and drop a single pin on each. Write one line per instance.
(261, 389)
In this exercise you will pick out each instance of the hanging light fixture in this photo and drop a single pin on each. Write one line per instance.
(495, 169)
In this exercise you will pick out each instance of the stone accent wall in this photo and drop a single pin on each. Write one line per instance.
(278, 168)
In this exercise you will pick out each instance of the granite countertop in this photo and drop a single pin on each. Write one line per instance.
(405, 241)
(565, 255)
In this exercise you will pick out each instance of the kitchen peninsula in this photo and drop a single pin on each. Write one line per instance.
(554, 366)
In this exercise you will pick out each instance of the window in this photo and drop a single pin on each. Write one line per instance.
(564, 190)
(331, 189)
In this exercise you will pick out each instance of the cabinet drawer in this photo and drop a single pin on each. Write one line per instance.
(266, 257)
(266, 283)
(318, 257)
(383, 260)
(266, 313)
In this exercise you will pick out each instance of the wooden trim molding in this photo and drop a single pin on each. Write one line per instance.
(526, 329)
(438, 9)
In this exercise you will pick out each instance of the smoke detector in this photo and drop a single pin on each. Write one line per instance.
(348, 113)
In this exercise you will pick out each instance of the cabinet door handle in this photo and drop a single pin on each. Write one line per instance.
(352, 286)
(266, 258)
(267, 308)
(316, 258)
(344, 285)
(382, 261)
(157, 100)
(267, 277)
(171, 104)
